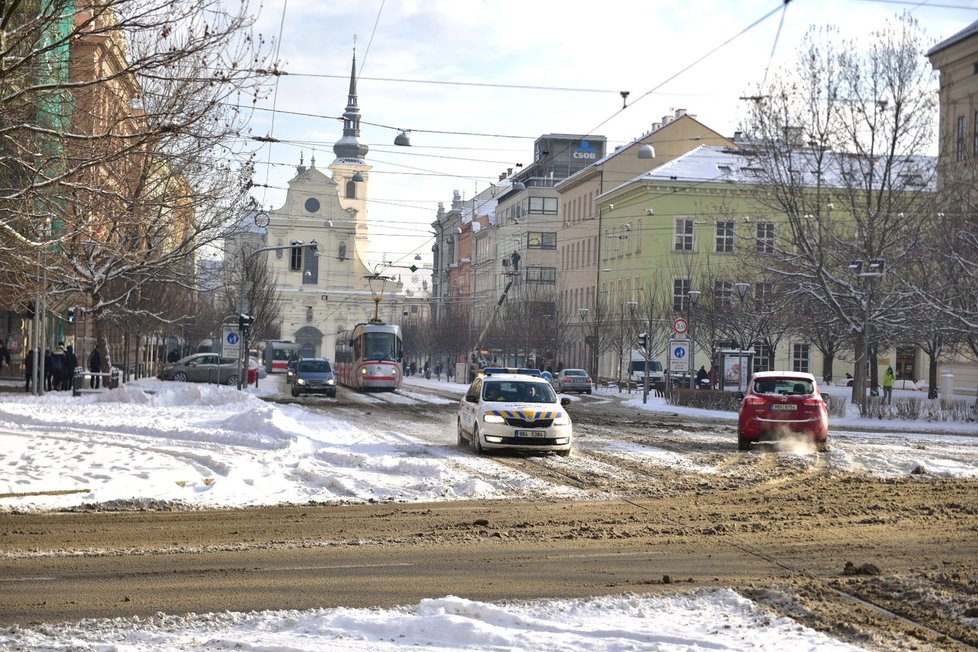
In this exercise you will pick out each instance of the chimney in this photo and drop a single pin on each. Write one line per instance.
(680, 113)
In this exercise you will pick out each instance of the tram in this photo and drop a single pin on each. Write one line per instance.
(277, 354)
(368, 357)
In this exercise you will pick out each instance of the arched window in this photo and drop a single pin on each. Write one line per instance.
(351, 189)
(342, 251)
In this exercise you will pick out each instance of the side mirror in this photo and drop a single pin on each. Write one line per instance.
(739, 396)
(565, 401)
(471, 398)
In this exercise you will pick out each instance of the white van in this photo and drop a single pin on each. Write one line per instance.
(636, 371)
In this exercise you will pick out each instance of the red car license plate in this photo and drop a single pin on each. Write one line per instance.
(785, 406)
(537, 434)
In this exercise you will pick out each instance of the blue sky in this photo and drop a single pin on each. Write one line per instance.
(476, 81)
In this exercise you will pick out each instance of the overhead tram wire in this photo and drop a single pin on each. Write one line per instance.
(691, 65)
(271, 128)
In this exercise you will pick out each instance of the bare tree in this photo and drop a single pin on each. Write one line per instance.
(127, 158)
(837, 145)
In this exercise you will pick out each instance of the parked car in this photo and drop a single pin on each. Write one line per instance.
(502, 409)
(313, 375)
(257, 366)
(206, 368)
(573, 380)
(779, 404)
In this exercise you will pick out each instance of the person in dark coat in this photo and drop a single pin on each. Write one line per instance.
(28, 369)
(95, 366)
(71, 362)
(48, 373)
(4, 355)
(59, 367)
(173, 356)
(702, 377)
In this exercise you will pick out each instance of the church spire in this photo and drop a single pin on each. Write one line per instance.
(348, 147)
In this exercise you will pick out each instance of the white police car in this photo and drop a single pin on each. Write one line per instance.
(514, 409)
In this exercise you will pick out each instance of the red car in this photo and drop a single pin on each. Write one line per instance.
(779, 403)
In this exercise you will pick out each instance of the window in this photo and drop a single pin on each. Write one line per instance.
(308, 314)
(725, 237)
(546, 275)
(543, 205)
(680, 293)
(541, 240)
(974, 136)
(765, 238)
(959, 149)
(763, 358)
(341, 253)
(351, 189)
(684, 234)
(723, 294)
(800, 357)
(764, 294)
(295, 259)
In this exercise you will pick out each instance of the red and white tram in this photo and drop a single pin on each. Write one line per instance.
(368, 357)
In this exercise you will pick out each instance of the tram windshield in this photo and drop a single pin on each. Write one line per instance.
(381, 346)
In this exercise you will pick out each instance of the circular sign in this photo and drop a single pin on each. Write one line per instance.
(680, 326)
(679, 352)
(232, 338)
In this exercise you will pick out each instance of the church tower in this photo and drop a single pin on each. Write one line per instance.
(325, 293)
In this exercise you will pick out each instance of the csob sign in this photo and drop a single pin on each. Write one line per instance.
(586, 151)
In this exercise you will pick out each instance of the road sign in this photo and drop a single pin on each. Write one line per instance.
(678, 356)
(680, 326)
(230, 342)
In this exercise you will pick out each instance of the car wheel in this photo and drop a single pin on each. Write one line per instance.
(295, 391)
(462, 441)
(565, 453)
(332, 394)
(743, 443)
(588, 392)
(476, 441)
(822, 446)
(180, 377)
(233, 379)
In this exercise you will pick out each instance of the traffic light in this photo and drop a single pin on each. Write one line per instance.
(643, 340)
(71, 315)
(245, 321)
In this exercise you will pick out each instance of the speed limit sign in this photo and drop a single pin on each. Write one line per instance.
(680, 326)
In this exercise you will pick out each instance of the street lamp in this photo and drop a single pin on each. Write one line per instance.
(694, 298)
(245, 320)
(742, 289)
(868, 269)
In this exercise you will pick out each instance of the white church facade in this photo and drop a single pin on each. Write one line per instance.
(323, 293)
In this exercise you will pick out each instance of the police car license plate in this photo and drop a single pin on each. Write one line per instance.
(537, 434)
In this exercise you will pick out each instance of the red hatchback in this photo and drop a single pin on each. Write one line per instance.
(780, 403)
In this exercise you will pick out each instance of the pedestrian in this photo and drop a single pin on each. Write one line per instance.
(59, 366)
(48, 373)
(172, 356)
(438, 370)
(95, 366)
(888, 379)
(28, 369)
(4, 355)
(702, 378)
(713, 377)
(71, 363)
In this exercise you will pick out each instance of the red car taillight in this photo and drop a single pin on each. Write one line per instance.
(754, 400)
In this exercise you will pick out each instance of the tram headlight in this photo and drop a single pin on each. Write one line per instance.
(363, 371)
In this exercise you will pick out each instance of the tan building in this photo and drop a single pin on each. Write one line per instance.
(956, 59)
(585, 245)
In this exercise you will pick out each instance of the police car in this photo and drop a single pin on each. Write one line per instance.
(513, 409)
